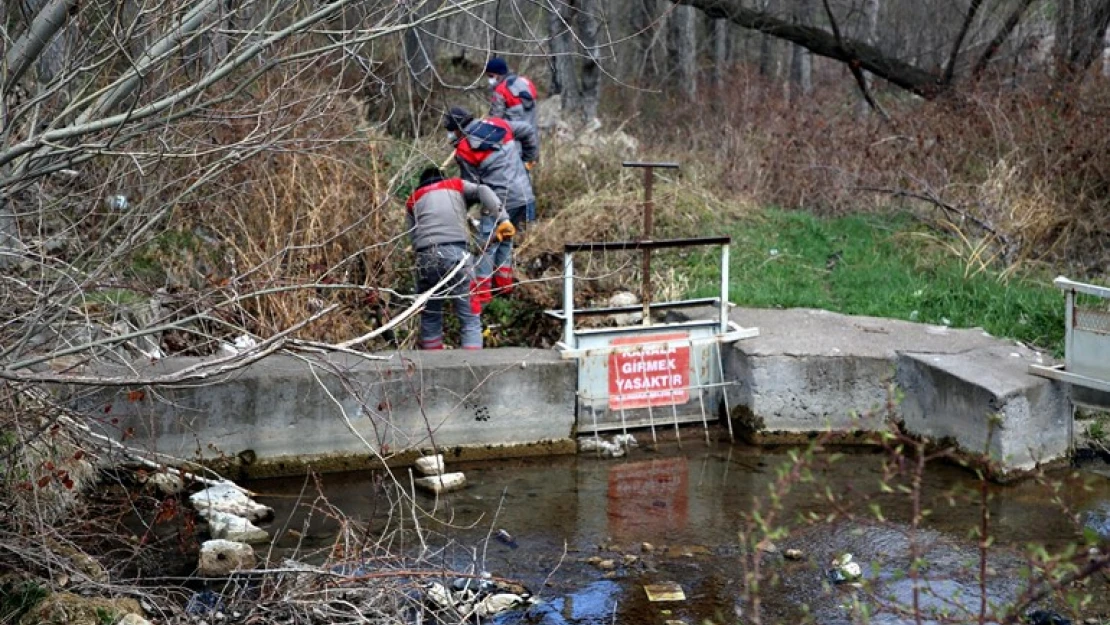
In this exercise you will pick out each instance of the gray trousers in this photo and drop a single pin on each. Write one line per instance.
(432, 264)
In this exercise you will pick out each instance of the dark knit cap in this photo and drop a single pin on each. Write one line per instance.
(457, 118)
(430, 175)
(497, 65)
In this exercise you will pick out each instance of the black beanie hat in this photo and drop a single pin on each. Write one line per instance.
(430, 175)
(457, 118)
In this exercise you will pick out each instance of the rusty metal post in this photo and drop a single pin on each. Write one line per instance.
(649, 209)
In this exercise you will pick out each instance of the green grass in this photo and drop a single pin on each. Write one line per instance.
(884, 266)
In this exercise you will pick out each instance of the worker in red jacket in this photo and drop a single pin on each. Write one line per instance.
(513, 97)
(494, 152)
(436, 215)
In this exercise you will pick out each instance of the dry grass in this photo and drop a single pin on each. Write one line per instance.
(1021, 163)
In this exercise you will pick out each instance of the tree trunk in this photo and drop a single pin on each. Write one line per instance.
(819, 41)
(420, 54)
(645, 23)
(683, 48)
(590, 72)
(801, 64)
(766, 47)
(871, 36)
(564, 82)
(720, 51)
(1062, 42)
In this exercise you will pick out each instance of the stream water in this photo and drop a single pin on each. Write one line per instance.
(674, 515)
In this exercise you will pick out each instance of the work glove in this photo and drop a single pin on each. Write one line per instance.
(505, 230)
(529, 165)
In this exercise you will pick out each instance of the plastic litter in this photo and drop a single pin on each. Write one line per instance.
(844, 570)
(506, 539)
(664, 591)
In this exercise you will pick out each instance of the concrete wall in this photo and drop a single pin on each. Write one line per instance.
(814, 371)
(341, 411)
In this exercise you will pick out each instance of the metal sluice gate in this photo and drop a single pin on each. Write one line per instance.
(1086, 340)
(654, 373)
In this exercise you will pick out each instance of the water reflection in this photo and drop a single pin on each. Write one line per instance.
(689, 505)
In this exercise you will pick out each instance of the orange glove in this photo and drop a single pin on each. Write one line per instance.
(505, 230)
(529, 165)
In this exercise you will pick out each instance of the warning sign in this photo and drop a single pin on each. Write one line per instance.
(647, 371)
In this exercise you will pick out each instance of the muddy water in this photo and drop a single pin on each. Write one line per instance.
(688, 505)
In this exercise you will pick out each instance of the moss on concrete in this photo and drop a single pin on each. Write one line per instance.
(286, 466)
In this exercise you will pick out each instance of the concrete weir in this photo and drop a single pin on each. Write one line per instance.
(808, 371)
(814, 371)
(342, 412)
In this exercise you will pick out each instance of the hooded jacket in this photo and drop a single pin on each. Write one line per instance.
(488, 153)
(514, 99)
(436, 212)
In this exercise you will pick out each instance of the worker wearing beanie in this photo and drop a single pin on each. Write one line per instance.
(488, 153)
(436, 215)
(513, 97)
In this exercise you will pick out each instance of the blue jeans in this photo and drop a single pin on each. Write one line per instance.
(432, 265)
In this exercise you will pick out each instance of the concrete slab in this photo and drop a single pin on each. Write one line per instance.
(814, 370)
(342, 412)
(985, 401)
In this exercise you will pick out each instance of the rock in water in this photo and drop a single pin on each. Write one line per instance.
(442, 483)
(430, 465)
(235, 528)
(228, 498)
(218, 558)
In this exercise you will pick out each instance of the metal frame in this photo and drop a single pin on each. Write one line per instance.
(568, 312)
(1086, 347)
(700, 335)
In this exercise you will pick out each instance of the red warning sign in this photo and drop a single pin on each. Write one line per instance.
(646, 371)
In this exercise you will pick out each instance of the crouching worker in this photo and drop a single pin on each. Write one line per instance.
(494, 152)
(436, 215)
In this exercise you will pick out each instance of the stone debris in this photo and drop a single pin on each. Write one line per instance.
(766, 546)
(165, 482)
(219, 557)
(621, 299)
(235, 528)
(72, 609)
(228, 498)
(444, 483)
(480, 597)
(616, 447)
(844, 570)
(430, 465)
(793, 554)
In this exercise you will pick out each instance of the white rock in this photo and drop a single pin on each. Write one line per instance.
(166, 483)
(442, 483)
(132, 619)
(589, 444)
(430, 465)
(235, 528)
(627, 441)
(227, 498)
(625, 298)
(220, 557)
(498, 603)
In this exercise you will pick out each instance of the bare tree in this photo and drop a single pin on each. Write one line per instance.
(801, 64)
(682, 47)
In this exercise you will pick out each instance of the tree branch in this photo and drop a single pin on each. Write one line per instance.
(857, 73)
(1000, 37)
(30, 44)
(820, 42)
(950, 68)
